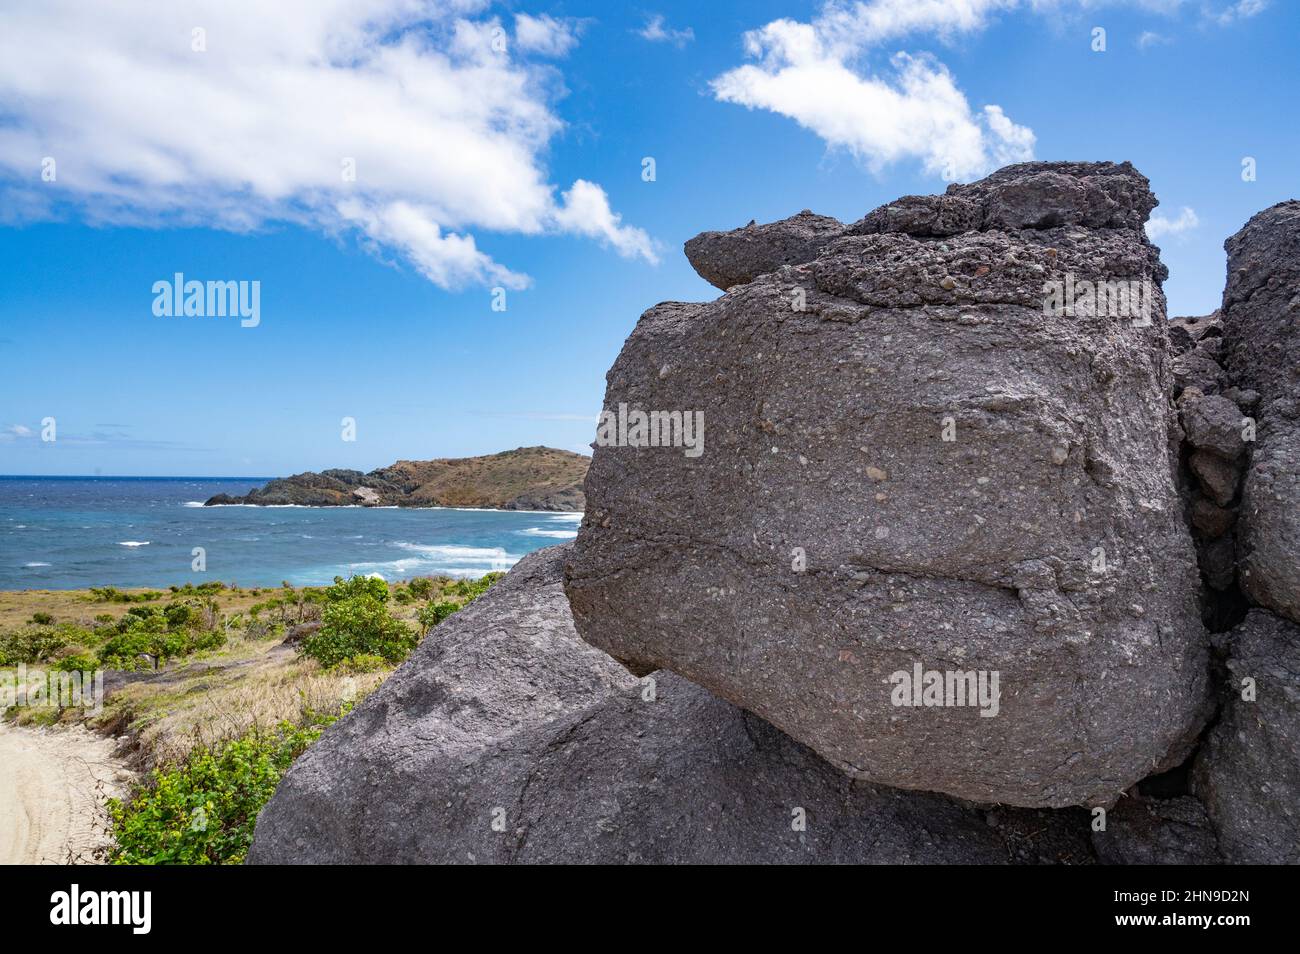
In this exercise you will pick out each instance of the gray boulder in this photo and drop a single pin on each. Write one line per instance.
(1218, 477)
(1029, 195)
(504, 715)
(1261, 334)
(1248, 772)
(920, 468)
(731, 258)
(506, 663)
(1212, 423)
(1150, 831)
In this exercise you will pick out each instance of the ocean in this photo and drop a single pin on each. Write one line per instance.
(75, 532)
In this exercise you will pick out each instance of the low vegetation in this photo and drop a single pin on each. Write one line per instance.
(215, 690)
(203, 809)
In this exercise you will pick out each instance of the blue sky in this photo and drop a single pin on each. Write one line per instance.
(521, 167)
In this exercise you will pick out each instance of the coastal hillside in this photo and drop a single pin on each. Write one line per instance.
(527, 478)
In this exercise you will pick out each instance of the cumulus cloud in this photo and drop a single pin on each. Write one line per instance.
(656, 30)
(825, 75)
(586, 211)
(1159, 225)
(813, 74)
(804, 72)
(415, 124)
(545, 34)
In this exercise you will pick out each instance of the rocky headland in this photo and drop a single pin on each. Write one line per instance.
(528, 478)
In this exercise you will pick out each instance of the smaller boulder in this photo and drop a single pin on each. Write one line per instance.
(300, 631)
(724, 259)
(1217, 477)
(1211, 519)
(1212, 423)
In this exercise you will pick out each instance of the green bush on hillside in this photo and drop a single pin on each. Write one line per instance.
(33, 645)
(455, 596)
(202, 811)
(153, 635)
(356, 622)
(431, 614)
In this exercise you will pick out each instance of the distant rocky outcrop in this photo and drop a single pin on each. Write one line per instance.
(914, 465)
(529, 478)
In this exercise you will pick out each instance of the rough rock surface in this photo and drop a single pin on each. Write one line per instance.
(831, 534)
(504, 708)
(1149, 831)
(1248, 772)
(506, 663)
(731, 258)
(1212, 424)
(1030, 195)
(1261, 328)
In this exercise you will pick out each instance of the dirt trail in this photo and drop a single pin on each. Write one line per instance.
(52, 788)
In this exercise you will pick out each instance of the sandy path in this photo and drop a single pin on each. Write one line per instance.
(52, 788)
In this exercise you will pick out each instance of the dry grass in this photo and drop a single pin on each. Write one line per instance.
(197, 704)
(205, 698)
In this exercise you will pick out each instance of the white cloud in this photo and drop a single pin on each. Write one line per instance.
(817, 74)
(1241, 10)
(1158, 225)
(545, 34)
(656, 30)
(586, 211)
(810, 73)
(448, 126)
(1150, 38)
(15, 431)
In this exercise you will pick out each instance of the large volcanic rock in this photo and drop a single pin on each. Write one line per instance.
(1248, 773)
(910, 464)
(504, 715)
(1261, 333)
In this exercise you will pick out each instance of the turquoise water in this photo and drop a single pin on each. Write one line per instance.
(68, 533)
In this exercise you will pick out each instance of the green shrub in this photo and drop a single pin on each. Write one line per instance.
(421, 587)
(154, 642)
(431, 614)
(359, 625)
(202, 811)
(371, 587)
(42, 619)
(111, 594)
(182, 615)
(32, 645)
(456, 596)
(78, 662)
